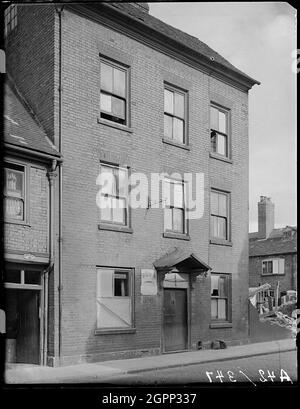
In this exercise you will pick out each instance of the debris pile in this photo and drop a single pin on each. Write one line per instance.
(283, 320)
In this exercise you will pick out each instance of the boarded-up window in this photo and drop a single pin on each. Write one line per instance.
(114, 298)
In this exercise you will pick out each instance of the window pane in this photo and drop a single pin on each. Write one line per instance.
(12, 276)
(122, 182)
(222, 287)
(178, 130)
(178, 220)
(214, 285)
(14, 208)
(168, 219)
(222, 310)
(14, 183)
(222, 122)
(214, 118)
(214, 226)
(118, 107)
(179, 105)
(32, 277)
(105, 102)
(264, 267)
(105, 283)
(213, 141)
(222, 205)
(214, 309)
(108, 181)
(214, 203)
(178, 194)
(222, 229)
(118, 210)
(270, 267)
(221, 145)
(119, 82)
(105, 210)
(106, 77)
(168, 127)
(169, 101)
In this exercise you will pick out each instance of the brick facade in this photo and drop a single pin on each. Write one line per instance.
(85, 141)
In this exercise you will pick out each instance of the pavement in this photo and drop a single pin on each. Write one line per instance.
(94, 372)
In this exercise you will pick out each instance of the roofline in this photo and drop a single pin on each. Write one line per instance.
(273, 254)
(33, 152)
(119, 19)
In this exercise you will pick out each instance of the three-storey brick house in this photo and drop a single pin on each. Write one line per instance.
(121, 93)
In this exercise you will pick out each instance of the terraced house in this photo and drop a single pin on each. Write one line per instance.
(120, 93)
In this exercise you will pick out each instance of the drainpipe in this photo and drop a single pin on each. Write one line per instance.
(59, 9)
(50, 174)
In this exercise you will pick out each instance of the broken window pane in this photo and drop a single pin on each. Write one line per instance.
(213, 141)
(121, 285)
(214, 285)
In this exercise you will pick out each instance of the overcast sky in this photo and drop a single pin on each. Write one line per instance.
(258, 38)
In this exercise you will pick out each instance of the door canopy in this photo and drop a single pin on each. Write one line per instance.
(181, 261)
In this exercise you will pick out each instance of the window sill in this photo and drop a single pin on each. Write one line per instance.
(220, 157)
(270, 275)
(220, 242)
(20, 223)
(177, 144)
(115, 125)
(220, 325)
(179, 236)
(115, 331)
(112, 227)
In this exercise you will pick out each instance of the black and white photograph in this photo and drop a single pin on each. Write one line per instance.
(149, 200)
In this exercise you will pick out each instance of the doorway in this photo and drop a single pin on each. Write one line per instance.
(175, 324)
(23, 326)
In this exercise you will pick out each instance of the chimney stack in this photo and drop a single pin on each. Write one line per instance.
(265, 217)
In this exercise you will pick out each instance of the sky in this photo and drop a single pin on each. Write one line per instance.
(260, 39)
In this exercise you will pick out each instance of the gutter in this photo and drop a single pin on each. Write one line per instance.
(27, 151)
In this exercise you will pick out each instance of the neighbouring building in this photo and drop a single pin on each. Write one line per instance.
(120, 93)
(28, 175)
(273, 256)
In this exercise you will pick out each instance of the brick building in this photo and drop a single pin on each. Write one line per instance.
(119, 92)
(272, 253)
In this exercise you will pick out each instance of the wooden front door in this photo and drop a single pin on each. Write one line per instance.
(175, 319)
(28, 339)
